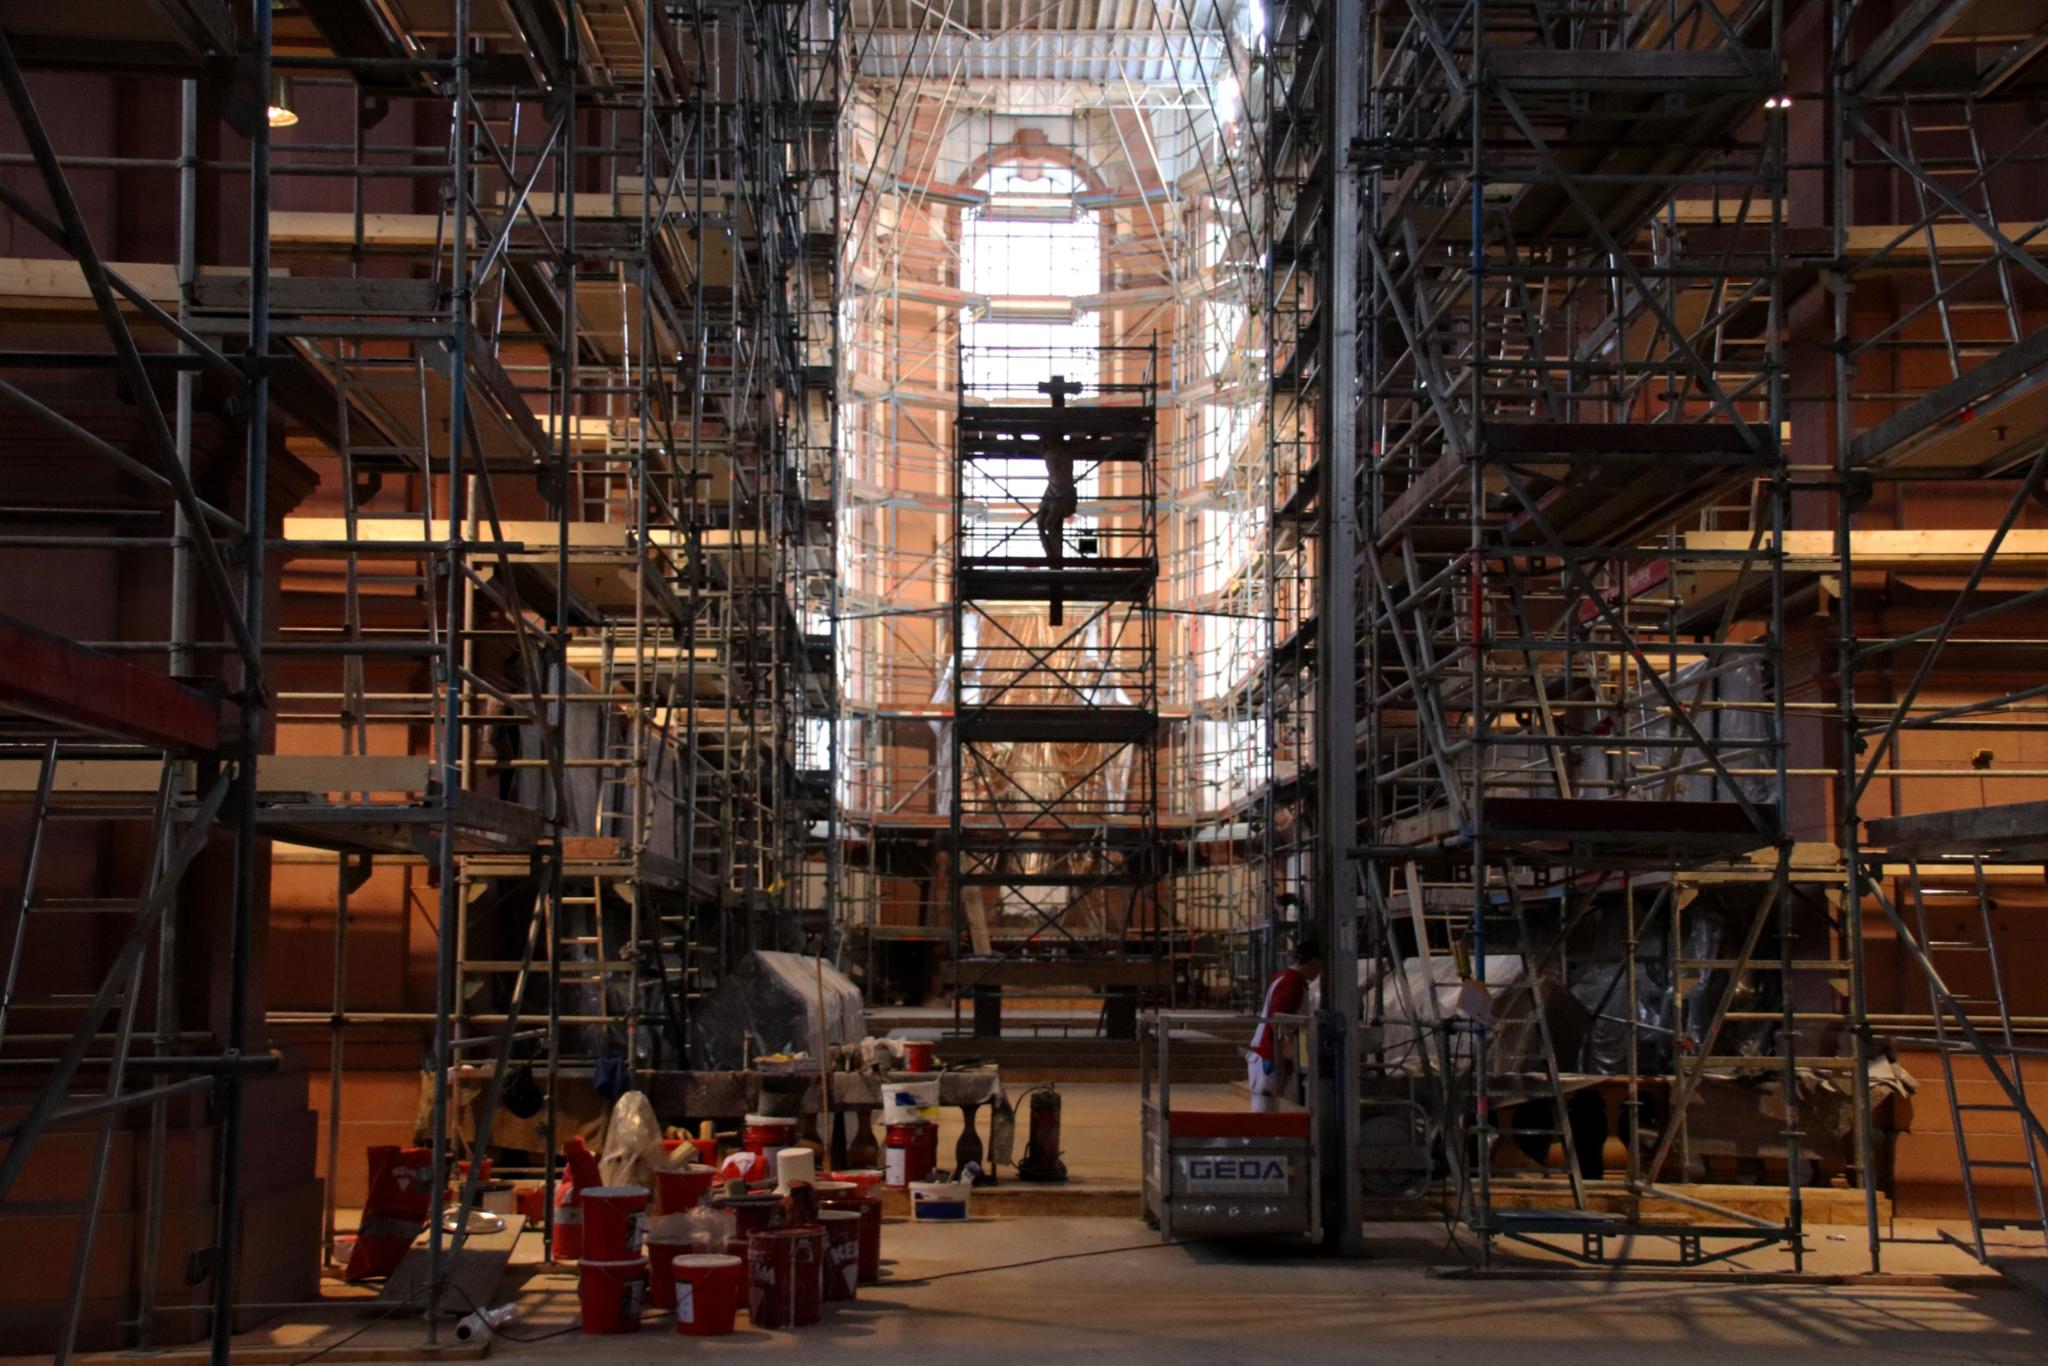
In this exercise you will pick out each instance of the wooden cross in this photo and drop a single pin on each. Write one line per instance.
(1059, 386)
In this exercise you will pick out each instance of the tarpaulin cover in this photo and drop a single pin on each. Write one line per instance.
(770, 1003)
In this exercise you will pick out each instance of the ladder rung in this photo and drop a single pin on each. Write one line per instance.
(2002, 1164)
(580, 967)
(83, 906)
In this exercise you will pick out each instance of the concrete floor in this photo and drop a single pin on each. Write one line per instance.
(1106, 1287)
(1036, 1289)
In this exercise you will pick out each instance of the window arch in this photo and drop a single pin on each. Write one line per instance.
(1033, 251)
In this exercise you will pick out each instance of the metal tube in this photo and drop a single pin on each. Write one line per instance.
(450, 759)
(247, 877)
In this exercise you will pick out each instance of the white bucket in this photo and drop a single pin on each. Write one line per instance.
(940, 1201)
(908, 1102)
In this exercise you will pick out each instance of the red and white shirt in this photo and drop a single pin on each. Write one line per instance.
(1284, 996)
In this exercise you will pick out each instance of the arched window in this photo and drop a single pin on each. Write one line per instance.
(1032, 251)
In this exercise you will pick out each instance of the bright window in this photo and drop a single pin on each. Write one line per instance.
(1032, 251)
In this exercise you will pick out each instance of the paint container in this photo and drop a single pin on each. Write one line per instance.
(932, 1201)
(912, 1152)
(612, 1294)
(708, 1288)
(751, 1214)
(764, 1136)
(917, 1055)
(680, 1188)
(842, 1252)
(612, 1218)
(661, 1285)
(785, 1277)
(864, 1179)
(869, 1207)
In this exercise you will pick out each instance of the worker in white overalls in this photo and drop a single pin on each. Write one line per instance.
(1270, 1064)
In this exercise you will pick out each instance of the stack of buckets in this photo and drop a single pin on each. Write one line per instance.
(784, 1274)
(612, 1284)
(910, 1136)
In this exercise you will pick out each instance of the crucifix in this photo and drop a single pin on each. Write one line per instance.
(1061, 499)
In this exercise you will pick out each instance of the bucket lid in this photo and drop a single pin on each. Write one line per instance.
(614, 1192)
(785, 1121)
(837, 1216)
(704, 1259)
(640, 1262)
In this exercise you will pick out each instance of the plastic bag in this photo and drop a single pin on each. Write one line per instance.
(632, 1143)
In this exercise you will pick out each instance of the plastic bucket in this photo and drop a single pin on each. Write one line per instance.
(680, 1188)
(751, 1214)
(661, 1283)
(611, 1221)
(785, 1285)
(869, 1207)
(764, 1136)
(917, 1055)
(912, 1152)
(612, 1295)
(707, 1293)
(842, 1252)
(864, 1179)
(939, 1200)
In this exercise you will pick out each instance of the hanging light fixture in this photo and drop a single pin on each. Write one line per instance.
(280, 112)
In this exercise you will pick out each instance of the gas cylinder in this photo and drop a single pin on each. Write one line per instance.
(1042, 1150)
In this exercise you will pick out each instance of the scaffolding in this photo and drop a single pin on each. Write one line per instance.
(554, 625)
(1572, 767)
(1936, 396)
(1145, 120)
(1054, 851)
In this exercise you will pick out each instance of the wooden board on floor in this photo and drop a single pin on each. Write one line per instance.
(472, 1274)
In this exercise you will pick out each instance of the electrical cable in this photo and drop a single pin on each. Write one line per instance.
(1038, 1261)
(389, 1311)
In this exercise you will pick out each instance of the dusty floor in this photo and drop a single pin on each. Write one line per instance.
(1037, 1289)
(1033, 1289)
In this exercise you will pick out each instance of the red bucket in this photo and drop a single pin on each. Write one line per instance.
(681, 1188)
(912, 1152)
(750, 1215)
(707, 1293)
(785, 1277)
(842, 1252)
(865, 1179)
(611, 1221)
(869, 1207)
(917, 1055)
(661, 1285)
(613, 1293)
(765, 1136)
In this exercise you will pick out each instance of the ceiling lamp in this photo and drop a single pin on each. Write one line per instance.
(280, 112)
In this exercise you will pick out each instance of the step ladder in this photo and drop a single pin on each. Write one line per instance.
(1977, 959)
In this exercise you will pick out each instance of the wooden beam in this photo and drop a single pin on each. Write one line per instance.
(66, 684)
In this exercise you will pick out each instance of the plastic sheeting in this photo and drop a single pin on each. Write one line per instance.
(1403, 1003)
(775, 1002)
